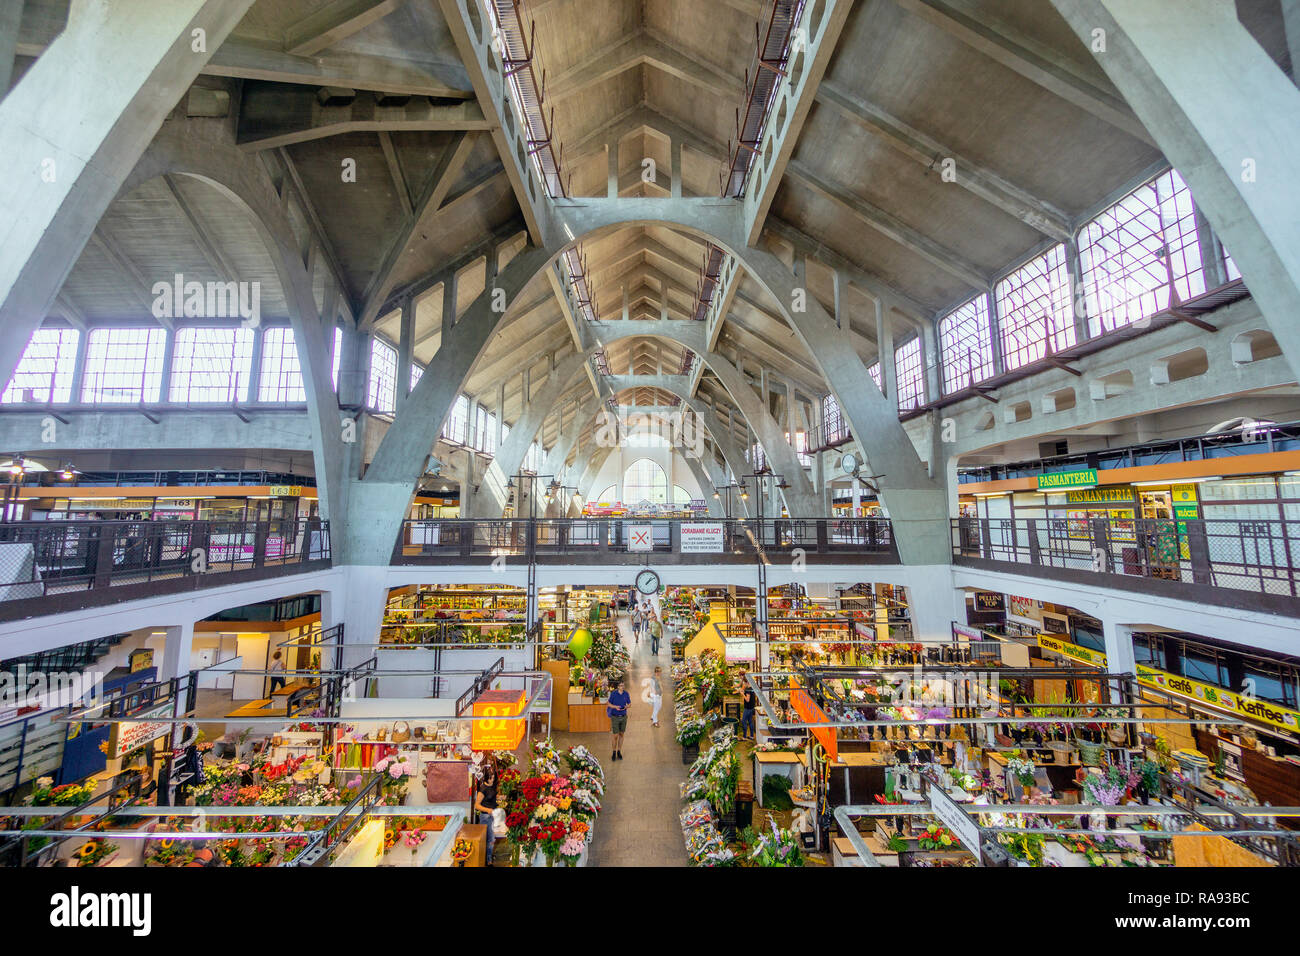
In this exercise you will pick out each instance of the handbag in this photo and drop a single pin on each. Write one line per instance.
(446, 781)
(403, 735)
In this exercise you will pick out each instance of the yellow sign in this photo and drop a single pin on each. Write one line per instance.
(1248, 708)
(286, 491)
(1083, 654)
(1098, 496)
(498, 734)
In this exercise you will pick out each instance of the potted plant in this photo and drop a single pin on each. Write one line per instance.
(689, 735)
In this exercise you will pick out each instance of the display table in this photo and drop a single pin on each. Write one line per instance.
(476, 834)
(586, 716)
(768, 763)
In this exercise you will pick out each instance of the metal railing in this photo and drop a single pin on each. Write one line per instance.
(1250, 556)
(79, 562)
(576, 540)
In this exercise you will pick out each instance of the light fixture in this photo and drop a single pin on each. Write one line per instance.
(744, 493)
(510, 485)
(715, 493)
(783, 485)
(68, 472)
(16, 466)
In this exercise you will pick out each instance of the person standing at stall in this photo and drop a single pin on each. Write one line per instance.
(619, 702)
(485, 799)
(749, 703)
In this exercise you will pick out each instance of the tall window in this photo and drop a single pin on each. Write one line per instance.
(124, 365)
(966, 345)
(416, 374)
(757, 457)
(833, 426)
(681, 496)
(44, 373)
(382, 394)
(874, 372)
(281, 379)
(211, 365)
(911, 377)
(457, 422)
(1131, 252)
(645, 480)
(1034, 308)
(800, 444)
(485, 431)
(338, 354)
(533, 460)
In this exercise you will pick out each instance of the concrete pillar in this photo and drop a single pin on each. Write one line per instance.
(1119, 648)
(934, 603)
(254, 366)
(405, 347)
(176, 651)
(995, 334)
(611, 150)
(165, 373)
(1229, 121)
(79, 363)
(74, 128)
(353, 366)
(885, 344)
(1078, 303)
(1291, 23)
(675, 149)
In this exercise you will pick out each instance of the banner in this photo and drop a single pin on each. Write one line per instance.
(810, 713)
(128, 735)
(1251, 708)
(1083, 654)
(640, 537)
(1085, 478)
(702, 537)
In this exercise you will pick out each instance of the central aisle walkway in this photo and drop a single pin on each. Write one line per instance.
(638, 823)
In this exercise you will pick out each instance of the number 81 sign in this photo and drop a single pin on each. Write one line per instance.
(491, 734)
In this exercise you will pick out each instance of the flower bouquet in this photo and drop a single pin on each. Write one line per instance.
(777, 848)
(397, 772)
(461, 851)
(94, 852)
(936, 837)
(1106, 790)
(1022, 769)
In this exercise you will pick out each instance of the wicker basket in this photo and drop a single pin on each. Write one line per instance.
(1061, 750)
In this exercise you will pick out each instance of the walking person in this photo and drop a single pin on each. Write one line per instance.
(656, 632)
(619, 702)
(485, 798)
(636, 625)
(749, 703)
(656, 696)
(276, 670)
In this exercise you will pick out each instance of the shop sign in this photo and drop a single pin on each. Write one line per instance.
(128, 735)
(949, 812)
(810, 713)
(640, 537)
(1251, 708)
(1068, 479)
(140, 658)
(697, 504)
(990, 601)
(1085, 655)
(702, 537)
(960, 632)
(1098, 496)
(498, 734)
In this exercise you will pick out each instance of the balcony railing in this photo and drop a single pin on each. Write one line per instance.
(626, 541)
(52, 566)
(1241, 563)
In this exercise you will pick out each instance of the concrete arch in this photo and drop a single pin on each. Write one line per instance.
(205, 151)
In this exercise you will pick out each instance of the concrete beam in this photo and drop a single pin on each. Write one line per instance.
(971, 176)
(104, 429)
(271, 117)
(1034, 61)
(333, 23)
(890, 226)
(810, 53)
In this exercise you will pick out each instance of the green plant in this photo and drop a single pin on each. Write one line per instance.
(1024, 846)
(896, 843)
(776, 793)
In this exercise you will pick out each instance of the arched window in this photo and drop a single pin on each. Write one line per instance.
(681, 496)
(645, 480)
(607, 494)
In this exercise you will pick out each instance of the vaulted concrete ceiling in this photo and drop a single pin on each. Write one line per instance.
(315, 87)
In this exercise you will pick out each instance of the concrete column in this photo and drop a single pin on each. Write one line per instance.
(934, 603)
(1291, 23)
(1119, 648)
(169, 352)
(75, 127)
(611, 150)
(254, 367)
(1229, 121)
(1211, 250)
(354, 347)
(405, 347)
(930, 360)
(79, 363)
(995, 335)
(176, 651)
(675, 149)
(885, 343)
(448, 304)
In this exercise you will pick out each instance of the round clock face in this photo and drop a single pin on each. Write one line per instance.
(647, 582)
(848, 463)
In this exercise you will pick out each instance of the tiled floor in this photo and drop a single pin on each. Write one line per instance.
(638, 824)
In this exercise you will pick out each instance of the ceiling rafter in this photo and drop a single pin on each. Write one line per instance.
(333, 23)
